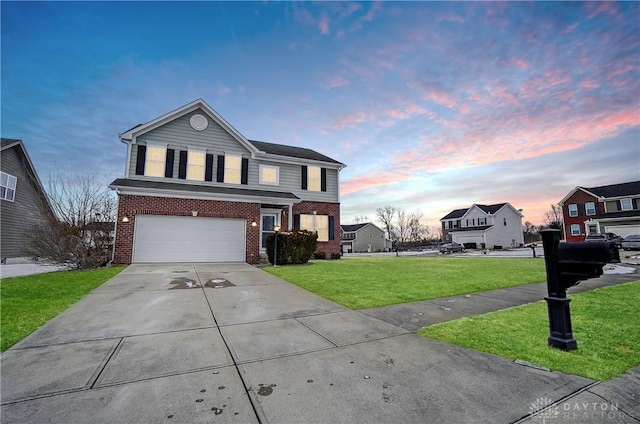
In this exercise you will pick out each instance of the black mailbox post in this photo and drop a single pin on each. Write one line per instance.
(567, 264)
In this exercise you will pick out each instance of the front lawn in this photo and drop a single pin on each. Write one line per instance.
(368, 282)
(605, 324)
(28, 302)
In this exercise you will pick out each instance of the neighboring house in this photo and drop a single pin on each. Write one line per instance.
(607, 209)
(484, 226)
(22, 198)
(196, 190)
(365, 237)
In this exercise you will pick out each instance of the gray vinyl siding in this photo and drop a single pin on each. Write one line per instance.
(21, 215)
(367, 236)
(179, 135)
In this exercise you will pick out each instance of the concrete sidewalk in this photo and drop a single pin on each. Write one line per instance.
(230, 343)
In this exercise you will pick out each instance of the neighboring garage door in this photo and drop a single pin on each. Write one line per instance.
(160, 238)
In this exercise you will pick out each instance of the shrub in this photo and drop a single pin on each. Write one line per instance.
(319, 255)
(295, 247)
(336, 256)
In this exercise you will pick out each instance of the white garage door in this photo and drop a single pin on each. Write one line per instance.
(188, 239)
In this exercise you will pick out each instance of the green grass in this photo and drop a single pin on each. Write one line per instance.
(605, 324)
(28, 302)
(368, 282)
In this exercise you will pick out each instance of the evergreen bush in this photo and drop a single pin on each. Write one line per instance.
(295, 247)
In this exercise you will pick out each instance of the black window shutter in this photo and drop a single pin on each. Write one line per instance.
(634, 203)
(182, 165)
(619, 205)
(332, 234)
(220, 170)
(304, 177)
(296, 221)
(208, 169)
(142, 154)
(323, 179)
(244, 178)
(168, 167)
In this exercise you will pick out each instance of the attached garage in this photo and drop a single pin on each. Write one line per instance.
(159, 238)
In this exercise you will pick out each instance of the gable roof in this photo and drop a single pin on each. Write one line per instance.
(291, 151)
(260, 149)
(8, 143)
(352, 227)
(607, 191)
(488, 209)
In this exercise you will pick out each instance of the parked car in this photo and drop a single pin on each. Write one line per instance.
(611, 237)
(631, 242)
(451, 248)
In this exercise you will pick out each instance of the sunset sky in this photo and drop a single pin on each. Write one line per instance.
(432, 106)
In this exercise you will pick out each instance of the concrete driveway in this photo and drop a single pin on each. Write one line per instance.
(182, 343)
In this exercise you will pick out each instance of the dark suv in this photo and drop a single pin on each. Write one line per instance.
(612, 237)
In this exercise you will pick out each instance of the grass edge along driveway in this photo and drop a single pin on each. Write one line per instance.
(605, 324)
(28, 302)
(367, 282)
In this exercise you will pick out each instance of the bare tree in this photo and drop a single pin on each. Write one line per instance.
(553, 218)
(417, 231)
(361, 219)
(530, 232)
(385, 216)
(80, 220)
(403, 226)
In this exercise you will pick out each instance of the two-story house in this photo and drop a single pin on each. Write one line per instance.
(612, 208)
(364, 237)
(23, 201)
(196, 190)
(484, 226)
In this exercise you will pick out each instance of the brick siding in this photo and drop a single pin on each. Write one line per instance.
(130, 206)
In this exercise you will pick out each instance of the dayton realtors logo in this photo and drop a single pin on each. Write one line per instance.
(544, 408)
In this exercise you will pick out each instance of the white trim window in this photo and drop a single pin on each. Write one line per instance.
(155, 160)
(196, 165)
(573, 209)
(446, 225)
(269, 175)
(482, 220)
(471, 222)
(575, 229)
(316, 223)
(314, 178)
(626, 204)
(232, 169)
(7, 186)
(590, 208)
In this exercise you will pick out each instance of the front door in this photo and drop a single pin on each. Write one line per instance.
(269, 221)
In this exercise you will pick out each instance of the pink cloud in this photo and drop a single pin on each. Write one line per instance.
(570, 28)
(323, 25)
(336, 82)
(594, 8)
(590, 84)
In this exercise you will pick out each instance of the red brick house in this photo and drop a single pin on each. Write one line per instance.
(196, 190)
(612, 208)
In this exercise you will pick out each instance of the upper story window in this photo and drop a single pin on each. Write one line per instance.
(7, 186)
(195, 165)
(155, 161)
(573, 209)
(445, 225)
(590, 208)
(482, 220)
(471, 222)
(504, 221)
(626, 204)
(349, 236)
(269, 175)
(313, 178)
(232, 169)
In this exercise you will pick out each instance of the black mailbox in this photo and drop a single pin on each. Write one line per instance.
(567, 264)
(583, 260)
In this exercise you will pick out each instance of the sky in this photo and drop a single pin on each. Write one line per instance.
(433, 106)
